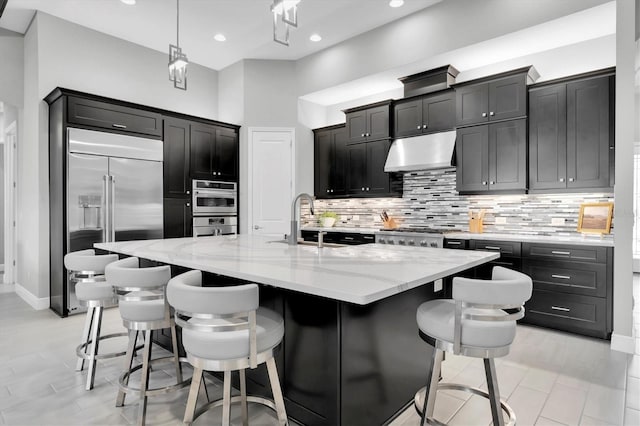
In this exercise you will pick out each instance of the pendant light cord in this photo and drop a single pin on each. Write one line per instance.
(178, 23)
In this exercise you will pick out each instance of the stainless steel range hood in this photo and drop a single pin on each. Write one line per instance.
(427, 152)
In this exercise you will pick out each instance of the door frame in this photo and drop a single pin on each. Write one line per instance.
(250, 139)
(11, 217)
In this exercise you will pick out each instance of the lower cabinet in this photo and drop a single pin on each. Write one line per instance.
(178, 221)
(347, 238)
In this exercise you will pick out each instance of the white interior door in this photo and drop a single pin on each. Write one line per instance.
(271, 168)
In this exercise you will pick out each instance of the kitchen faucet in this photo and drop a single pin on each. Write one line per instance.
(293, 237)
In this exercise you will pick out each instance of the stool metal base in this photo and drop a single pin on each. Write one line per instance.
(123, 381)
(418, 401)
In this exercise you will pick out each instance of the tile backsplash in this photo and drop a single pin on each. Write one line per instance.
(431, 200)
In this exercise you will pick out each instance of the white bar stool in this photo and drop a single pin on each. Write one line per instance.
(473, 324)
(143, 307)
(86, 272)
(223, 329)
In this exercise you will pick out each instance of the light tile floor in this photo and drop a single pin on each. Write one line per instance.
(549, 378)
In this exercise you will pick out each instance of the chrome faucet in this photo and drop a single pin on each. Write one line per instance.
(293, 237)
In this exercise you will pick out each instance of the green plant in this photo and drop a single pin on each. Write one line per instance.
(328, 214)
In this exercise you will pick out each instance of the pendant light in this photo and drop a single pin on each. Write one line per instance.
(285, 16)
(177, 60)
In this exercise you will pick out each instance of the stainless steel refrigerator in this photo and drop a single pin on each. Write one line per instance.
(114, 191)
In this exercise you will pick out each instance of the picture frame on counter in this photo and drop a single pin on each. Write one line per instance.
(595, 218)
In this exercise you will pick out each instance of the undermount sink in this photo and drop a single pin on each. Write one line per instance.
(310, 243)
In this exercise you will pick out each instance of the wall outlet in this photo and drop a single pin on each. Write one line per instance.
(437, 285)
(501, 220)
(557, 221)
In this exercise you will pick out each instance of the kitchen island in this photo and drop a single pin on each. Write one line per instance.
(351, 352)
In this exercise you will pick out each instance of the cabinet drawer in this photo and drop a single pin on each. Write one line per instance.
(88, 112)
(571, 312)
(355, 239)
(568, 277)
(453, 243)
(506, 248)
(579, 253)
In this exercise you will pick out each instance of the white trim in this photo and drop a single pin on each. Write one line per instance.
(250, 134)
(38, 304)
(621, 343)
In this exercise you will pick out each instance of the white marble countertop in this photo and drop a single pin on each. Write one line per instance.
(591, 240)
(357, 274)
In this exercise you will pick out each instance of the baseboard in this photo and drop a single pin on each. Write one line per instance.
(36, 303)
(620, 343)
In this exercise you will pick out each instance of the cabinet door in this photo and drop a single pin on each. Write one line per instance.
(225, 161)
(472, 150)
(377, 178)
(548, 137)
(508, 97)
(357, 126)
(588, 137)
(472, 104)
(508, 155)
(338, 174)
(322, 163)
(378, 122)
(203, 139)
(439, 113)
(356, 168)
(176, 147)
(408, 118)
(177, 218)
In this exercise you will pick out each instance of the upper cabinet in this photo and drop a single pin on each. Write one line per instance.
(571, 140)
(365, 171)
(426, 114)
(329, 164)
(494, 98)
(214, 152)
(113, 117)
(177, 149)
(368, 122)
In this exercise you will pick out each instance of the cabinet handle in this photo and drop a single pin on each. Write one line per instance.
(561, 179)
(332, 190)
(363, 188)
(327, 190)
(367, 188)
(368, 134)
(566, 253)
(424, 126)
(493, 182)
(563, 277)
(453, 243)
(560, 308)
(492, 113)
(188, 192)
(571, 179)
(363, 135)
(612, 147)
(484, 182)
(484, 114)
(419, 127)
(188, 204)
(492, 248)
(119, 126)
(348, 238)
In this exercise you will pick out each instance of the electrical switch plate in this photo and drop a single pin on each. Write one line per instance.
(437, 285)
(557, 221)
(501, 220)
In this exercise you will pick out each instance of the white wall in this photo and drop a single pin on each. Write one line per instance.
(11, 67)
(58, 53)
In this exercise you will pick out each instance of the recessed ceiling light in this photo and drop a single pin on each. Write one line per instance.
(315, 37)
(220, 37)
(129, 2)
(396, 3)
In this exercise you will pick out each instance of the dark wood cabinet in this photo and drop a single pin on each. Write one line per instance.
(113, 117)
(427, 114)
(178, 220)
(329, 162)
(571, 137)
(365, 170)
(492, 157)
(177, 149)
(214, 152)
(368, 122)
(347, 238)
(494, 98)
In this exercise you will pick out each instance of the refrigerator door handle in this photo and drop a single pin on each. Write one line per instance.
(113, 208)
(107, 208)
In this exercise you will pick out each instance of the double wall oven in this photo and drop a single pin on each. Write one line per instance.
(215, 208)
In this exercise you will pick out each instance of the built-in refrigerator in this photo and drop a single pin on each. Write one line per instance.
(114, 192)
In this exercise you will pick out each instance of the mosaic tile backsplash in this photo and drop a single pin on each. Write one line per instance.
(430, 200)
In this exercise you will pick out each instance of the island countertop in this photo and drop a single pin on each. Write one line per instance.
(356, 274)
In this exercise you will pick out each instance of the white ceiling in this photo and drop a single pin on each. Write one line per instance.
(247, 24)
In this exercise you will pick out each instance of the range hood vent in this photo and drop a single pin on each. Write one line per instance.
(427, 152)
(429, 81)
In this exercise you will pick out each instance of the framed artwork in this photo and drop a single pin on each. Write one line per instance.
(595, 218)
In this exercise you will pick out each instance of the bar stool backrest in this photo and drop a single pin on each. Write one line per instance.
(204, 305)
(87, 261)
(127, 276)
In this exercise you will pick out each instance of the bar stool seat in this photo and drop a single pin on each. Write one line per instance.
(143, 310)
(233, 344)
(479, 322)
(86, 273)
(437, 319)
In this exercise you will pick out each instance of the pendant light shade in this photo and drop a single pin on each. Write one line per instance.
(177, 59)
(285, 16)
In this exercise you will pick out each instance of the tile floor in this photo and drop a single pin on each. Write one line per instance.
(549, 378)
